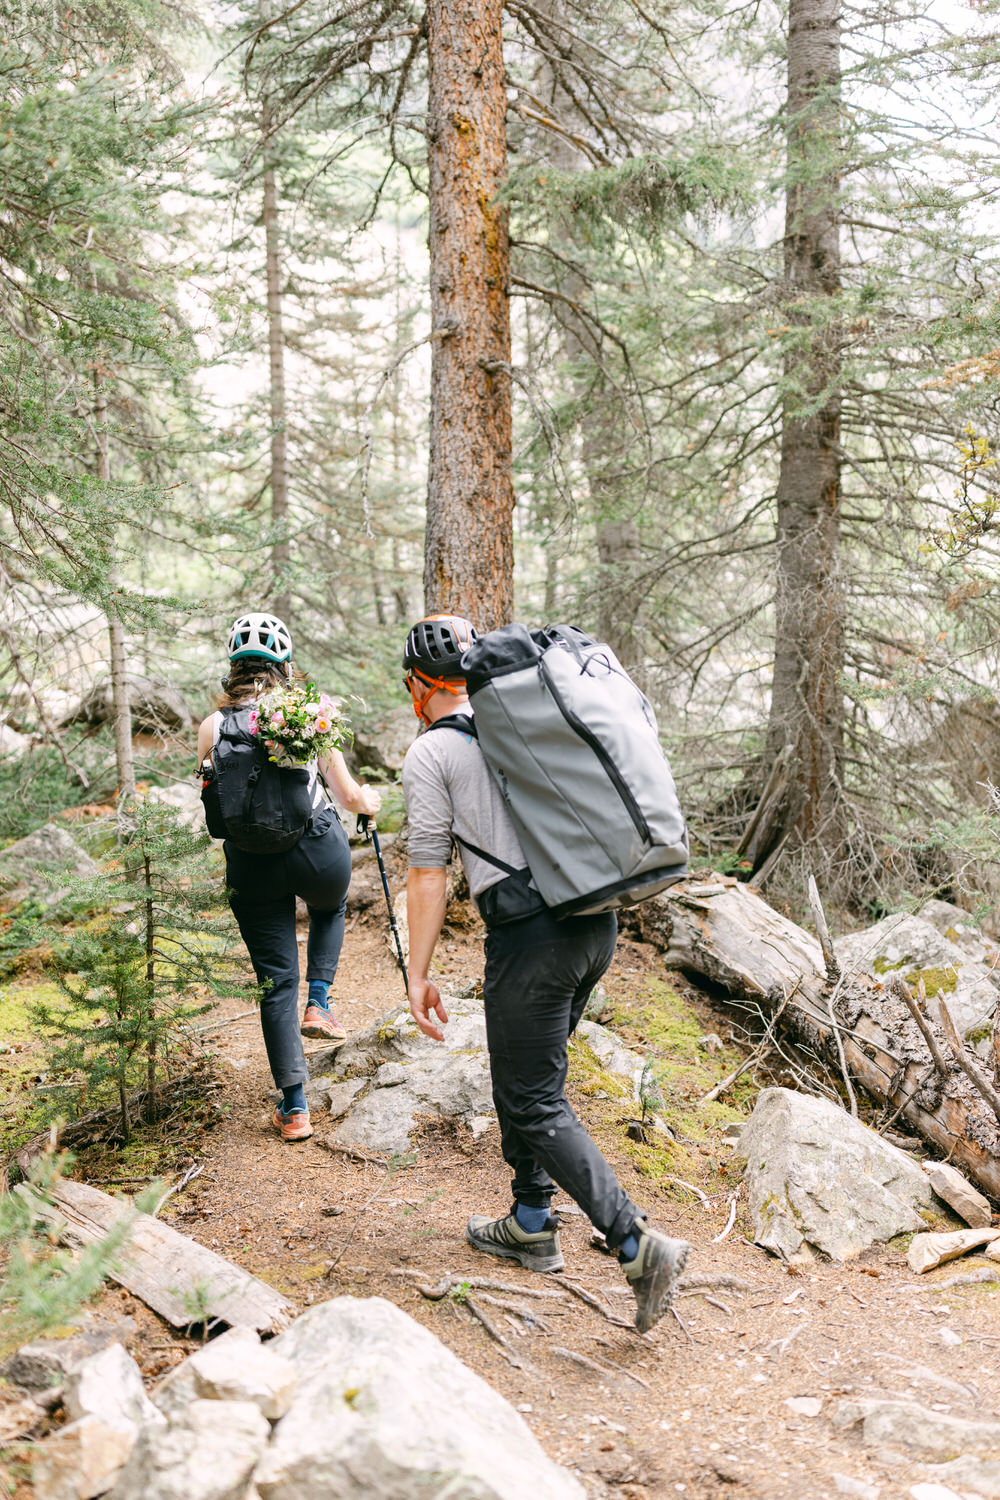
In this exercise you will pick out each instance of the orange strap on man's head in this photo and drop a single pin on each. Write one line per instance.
(433, 684)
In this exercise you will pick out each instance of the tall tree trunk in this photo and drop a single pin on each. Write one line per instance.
(805, 732)
(469, 553)
(121, 708)
(276, 361)
(620, 591)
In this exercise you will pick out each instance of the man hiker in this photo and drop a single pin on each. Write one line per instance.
(539, 975)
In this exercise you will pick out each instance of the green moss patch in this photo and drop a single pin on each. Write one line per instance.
(663, 1028)
(936, 981)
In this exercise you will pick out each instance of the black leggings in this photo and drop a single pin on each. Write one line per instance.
(262, 892)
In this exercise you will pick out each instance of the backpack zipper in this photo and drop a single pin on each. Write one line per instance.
(589, 737)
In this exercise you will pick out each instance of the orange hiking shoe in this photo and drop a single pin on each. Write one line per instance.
(294, 1126)
(322, 1023)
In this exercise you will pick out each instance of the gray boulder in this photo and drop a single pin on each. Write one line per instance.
(244, 1372)
(12, 745)
(82, 1459)
(819, 1180)
(185, 799)
(403, 1075)
(384, 1409)
(959, 928)
(155, 705)
(207, 1452)
(612, 1053)
(29, 867)
(959, 1194)
(913, 946)
(383, 743)
(179, 1388)
(45, 1363)
(980, 1475)
(108, 1385)
(916, 1430)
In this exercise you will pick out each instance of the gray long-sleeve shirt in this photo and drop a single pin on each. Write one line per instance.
(449, 788)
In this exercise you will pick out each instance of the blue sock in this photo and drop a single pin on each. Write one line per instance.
(629, 1247)
(531, 1220)
(319, 993)
(293, 1098)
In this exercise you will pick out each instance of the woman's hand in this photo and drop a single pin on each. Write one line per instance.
(350, 794)
(368, 801)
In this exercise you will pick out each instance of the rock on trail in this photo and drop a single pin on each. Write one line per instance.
(820, 1180)
(354, 1400)
(385, 1079)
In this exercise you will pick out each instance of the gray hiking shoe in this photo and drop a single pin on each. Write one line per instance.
(654, 1274)
(505, 1237)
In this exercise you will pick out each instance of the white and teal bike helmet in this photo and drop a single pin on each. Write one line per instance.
(260, 635)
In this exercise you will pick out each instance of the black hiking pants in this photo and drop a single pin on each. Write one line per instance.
(262, 892)
(539, 976)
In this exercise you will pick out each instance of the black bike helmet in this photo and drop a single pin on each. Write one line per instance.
(435, 645)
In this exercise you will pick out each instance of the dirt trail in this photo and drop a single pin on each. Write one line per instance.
(698, 1410)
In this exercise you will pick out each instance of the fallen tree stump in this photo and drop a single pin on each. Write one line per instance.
(184, 1282)
(728, 935)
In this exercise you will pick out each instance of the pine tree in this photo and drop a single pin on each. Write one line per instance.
(136, 977)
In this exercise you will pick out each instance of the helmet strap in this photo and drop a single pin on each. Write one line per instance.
(434, 684)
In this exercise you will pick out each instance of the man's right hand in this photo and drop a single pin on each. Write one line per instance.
(425, 999)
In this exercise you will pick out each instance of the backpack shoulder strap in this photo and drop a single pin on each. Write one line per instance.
(464, 723)
(490, 859)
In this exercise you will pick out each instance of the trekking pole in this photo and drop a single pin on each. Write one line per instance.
(369, 832)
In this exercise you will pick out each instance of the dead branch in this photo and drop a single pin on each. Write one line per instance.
(494, 1333)
(966, 1064)
(592, 1301)
(718, 1238)
(679, 1181)
(595, 1366)
(967, 1278)
(899, 987)
(823, 932)
(756, 1056)
(716, 1281)
(478, 1283)
(352, 1153)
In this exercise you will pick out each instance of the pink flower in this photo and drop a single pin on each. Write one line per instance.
(322, 725)
(253, 721)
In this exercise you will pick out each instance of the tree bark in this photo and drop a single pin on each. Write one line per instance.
(619, 555)
(121, 708)
(469, 552)
(807, 713)
(276, 363)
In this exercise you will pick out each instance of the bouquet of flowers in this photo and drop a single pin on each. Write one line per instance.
(297, 724)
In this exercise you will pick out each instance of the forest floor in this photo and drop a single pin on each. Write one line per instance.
(697, 1409)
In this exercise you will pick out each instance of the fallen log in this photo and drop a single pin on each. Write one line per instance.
(767, 964)
(184, 1282)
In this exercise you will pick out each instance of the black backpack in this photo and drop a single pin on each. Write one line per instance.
(260, 807)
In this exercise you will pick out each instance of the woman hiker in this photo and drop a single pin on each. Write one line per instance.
(263, 887)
